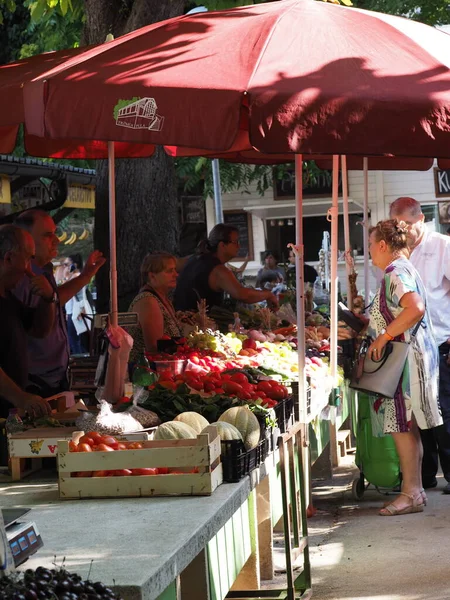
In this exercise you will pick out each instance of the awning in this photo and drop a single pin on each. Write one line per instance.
(311, 208)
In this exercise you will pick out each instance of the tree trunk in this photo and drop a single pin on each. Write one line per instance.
(146, 195)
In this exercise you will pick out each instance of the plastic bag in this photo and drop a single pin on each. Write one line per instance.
(108, 422)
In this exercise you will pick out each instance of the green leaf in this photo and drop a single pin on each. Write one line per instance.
(64, 5)
(52, 3)
(37, 10)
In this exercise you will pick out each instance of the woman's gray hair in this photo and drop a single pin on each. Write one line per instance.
(154, 263)
(11, 239)
(405, 204)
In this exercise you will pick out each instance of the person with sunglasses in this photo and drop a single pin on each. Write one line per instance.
(205, 275)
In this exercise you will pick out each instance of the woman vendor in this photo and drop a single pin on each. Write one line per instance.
(205, 275)
(154, 309)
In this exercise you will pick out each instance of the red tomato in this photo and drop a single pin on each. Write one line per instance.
(121, 472)
(148, 471)
(135, 446)
(164, 376)
(232, 388)
(220, 391)
(239, 378)
(86, 439)
(264, 386)
(84, 448)
(226, 377)
(95, 435)
(209, 386)
(101, 473)
(163, 470)
(121, 446)
(72, 446)
(103, 448)
(109, 440)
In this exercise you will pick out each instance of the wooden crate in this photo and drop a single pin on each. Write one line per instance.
(42, 442)
(201, 454)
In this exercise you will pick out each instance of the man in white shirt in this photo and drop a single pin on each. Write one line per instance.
(430, 254)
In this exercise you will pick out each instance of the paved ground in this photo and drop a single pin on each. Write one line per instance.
(358, 555)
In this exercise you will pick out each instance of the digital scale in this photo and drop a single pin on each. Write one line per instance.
(23, 536)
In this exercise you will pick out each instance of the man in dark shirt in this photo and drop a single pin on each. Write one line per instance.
(16, 252)
(49, 357)
(205, 275)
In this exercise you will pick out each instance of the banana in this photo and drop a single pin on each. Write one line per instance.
(84, 235)
(63, 237)
(74, 239)
(71, 240)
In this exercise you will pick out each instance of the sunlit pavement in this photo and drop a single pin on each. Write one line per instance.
(358, 555)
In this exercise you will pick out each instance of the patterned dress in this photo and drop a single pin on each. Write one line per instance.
(417, 392)
(171, 327)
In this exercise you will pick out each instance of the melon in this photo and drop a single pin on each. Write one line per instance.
(226, 431)
(175, 430)
(193, 419)
(245, 422)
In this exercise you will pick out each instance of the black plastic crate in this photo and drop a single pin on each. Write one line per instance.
(237, 461)
(284, 412)
(264, 448)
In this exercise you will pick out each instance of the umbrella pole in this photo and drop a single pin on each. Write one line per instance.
(112, 235)
(335, 399)
(300, 293)
(217, 190)
(348, 248)
(366, 231)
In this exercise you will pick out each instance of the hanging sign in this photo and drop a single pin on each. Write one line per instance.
(80, 196)
(5, 190)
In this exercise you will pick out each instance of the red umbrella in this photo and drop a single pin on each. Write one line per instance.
(13, 76)
(301, 76)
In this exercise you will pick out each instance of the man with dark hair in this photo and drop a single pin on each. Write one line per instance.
(205, 275)
(16, 320)
(430, 254)
(49, 358)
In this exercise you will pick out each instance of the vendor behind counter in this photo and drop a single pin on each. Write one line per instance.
(205, 275)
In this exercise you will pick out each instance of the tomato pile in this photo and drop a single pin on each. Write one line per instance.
(93, 441)
(269, 393)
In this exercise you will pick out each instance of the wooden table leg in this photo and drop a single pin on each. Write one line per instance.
(194, 580)
(15, 469)
(265, 530)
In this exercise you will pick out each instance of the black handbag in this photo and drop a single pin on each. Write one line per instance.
(381, 377)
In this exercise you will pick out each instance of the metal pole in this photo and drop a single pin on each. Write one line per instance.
(217, 190)
(347, 245)
(300, 291)
(334, 269)
(366, 231)
(112, 235)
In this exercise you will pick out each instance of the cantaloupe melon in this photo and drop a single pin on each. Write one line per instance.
(245, 422)
(193, 419)
(174, 430)
(226, 431)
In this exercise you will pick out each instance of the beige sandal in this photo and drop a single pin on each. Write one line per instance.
(391, 510)
(422, 493)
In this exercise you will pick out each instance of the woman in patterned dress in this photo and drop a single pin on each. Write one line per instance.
(155, 311)
(399, 305)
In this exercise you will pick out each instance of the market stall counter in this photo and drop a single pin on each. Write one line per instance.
(140, 546)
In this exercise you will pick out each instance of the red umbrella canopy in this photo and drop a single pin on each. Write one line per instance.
(301, 76)
(13, 76)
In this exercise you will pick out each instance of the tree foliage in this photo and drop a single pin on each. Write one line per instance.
(432, 12)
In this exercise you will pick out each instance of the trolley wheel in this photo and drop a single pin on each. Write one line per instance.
(358, 488)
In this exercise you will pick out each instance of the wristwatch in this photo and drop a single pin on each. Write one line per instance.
(388, 335)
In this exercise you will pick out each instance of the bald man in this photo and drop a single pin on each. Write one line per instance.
(430, 254)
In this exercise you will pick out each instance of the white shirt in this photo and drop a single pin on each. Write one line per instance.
(432, 260)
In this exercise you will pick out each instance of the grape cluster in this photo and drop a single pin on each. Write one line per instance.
(52, 584)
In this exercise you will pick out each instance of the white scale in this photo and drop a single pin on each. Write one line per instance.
(23, 536)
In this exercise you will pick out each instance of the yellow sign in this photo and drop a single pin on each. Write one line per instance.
(5, 190)
(80, 196)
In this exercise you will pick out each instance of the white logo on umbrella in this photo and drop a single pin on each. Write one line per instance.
(138, 113)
